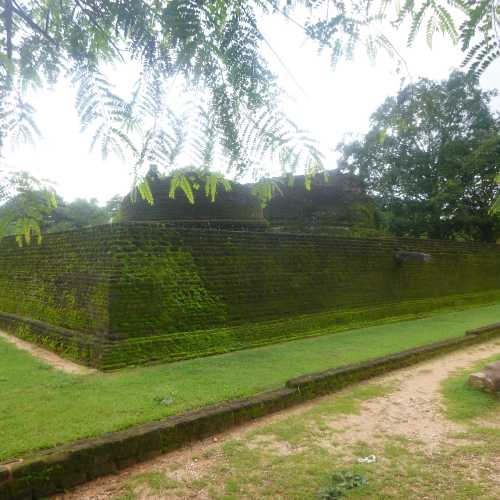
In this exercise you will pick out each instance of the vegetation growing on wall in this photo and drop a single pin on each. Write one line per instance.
(39, 415)
(133, 293)
(63, 282)
(158, 289)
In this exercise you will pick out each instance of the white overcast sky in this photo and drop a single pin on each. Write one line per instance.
(329, 103)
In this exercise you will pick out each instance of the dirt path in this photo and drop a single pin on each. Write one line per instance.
(412, 410)
(47, 356)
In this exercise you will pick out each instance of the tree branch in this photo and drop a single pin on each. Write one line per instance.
(7, 15)
(91, 17)
(17, 9)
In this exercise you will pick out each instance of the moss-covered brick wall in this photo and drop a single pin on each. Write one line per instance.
(61, 287)
(140, 292)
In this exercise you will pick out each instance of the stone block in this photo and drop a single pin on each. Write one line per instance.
(488, 379)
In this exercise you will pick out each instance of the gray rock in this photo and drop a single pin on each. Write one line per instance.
(488, 379)
(404, 256)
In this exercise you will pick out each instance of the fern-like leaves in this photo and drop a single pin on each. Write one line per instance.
(25, 201)
(103, 113)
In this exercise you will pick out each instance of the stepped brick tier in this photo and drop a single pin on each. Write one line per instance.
(237, 208)
(335, 203)
(123, 294)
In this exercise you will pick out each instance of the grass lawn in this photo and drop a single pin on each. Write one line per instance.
(41, 407)
(464, 404)
(314, 455)
(309, 456)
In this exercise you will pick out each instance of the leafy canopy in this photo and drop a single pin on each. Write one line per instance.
(24, 203)
(59, 216)
(212, 49)
(432, 157)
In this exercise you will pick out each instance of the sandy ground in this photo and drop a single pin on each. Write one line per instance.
(412, 410)
(47, 356)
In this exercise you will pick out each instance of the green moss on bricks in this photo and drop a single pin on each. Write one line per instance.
(63, 282)
(68, 347)
(135, 293)
(161, 290)
(185, 345)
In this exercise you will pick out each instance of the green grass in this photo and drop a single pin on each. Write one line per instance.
(476, 409)
(297, 457)
(41, 407)
(464, 403)
(156, 482)
(296, 431)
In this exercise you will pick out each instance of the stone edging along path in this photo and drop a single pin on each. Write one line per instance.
(63, 467)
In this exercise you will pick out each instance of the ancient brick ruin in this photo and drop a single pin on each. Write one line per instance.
(140, 292)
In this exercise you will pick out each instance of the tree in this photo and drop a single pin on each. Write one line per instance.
(58, 216)
(24, 203)
(432, 156)
(212, 47)
(113, 208)
(75, 215)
